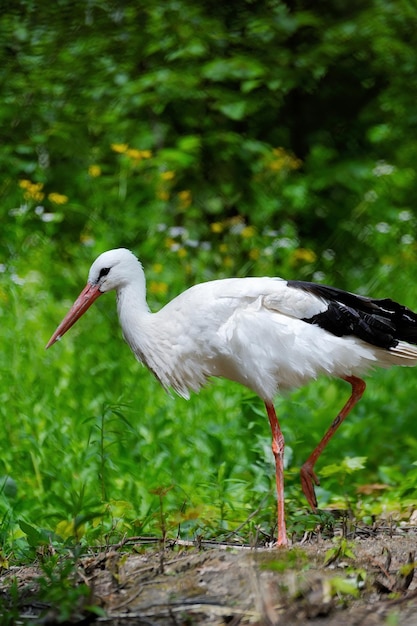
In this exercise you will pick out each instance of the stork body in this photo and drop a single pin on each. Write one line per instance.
(265, 333)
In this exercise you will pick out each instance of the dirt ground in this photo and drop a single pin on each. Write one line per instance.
(365, 581)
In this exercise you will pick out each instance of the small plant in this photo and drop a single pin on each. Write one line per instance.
(292, 559)
(343, 549)
(338, 586)
(60, 587)
(9, 604)
(59, 593)
(162, 492)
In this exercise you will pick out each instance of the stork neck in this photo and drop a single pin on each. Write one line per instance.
(131, 301)
(135, 319)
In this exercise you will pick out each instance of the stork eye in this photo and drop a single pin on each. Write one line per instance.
(103, 272)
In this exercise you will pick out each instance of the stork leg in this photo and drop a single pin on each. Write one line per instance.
(308, 476)
(278, 450)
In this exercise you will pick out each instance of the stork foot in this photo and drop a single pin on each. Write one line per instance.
(283, 543)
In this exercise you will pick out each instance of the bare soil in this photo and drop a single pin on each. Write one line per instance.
(360, 582)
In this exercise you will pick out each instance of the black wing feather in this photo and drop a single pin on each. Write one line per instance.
(381, 323)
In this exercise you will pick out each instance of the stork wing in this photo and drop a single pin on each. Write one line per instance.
(382, 323)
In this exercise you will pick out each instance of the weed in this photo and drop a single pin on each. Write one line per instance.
(343, 549)
(10, 604)
(66, 595)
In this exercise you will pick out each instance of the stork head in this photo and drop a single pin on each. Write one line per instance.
(111, 270)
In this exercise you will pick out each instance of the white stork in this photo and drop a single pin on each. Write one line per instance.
(265, 333)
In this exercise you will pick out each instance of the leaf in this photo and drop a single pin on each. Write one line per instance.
(66, 529)
(4, 563)
(372, 488)
(347, 465)
(236, 68)
(249, 85)
(342, 550)
(8, 486)
(189, 143)
(344, 586)
(34, 536)
(330, 470)
(352, 464)
(234, 110)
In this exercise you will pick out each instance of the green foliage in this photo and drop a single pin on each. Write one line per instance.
(342, 549)
(292, 559)
(61, 589)
(295, 123)
(214, 140)
(338, 586)
(9, 606)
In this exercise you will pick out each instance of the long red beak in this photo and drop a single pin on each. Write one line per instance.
(89, 294)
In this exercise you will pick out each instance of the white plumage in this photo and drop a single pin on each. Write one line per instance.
(265, 333)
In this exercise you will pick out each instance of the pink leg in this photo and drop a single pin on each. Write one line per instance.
(308, 477)
(278, 450)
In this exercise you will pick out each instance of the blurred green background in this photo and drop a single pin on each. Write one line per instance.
(213, 139)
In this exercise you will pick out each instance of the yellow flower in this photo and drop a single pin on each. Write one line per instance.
(168, 175)
(185, 198)
(157, 268)
(94, 171)
(162, 194)
(182, 252)
(276, 165)
(86, 239)
(158, 288)
(138, 155)
(216, 227)
(223, 248)
(58, 198)
(236, 220)
(247, 232)
(169, 242)
(133, 153)
(25, 184)
(283, 160)
(279, 152)
(121, 148)
(254, 254)
(33, 190)
(304, 254)
(38, 196)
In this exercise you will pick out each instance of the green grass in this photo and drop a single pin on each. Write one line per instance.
(93, 448)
